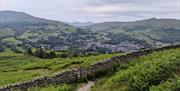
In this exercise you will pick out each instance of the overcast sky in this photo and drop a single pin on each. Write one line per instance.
(95, 10)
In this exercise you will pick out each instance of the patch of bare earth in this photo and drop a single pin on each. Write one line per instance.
(87, 86)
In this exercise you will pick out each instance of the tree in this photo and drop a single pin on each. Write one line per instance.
(1, 49)
(52, 54)
(64, 55)
(41, 53)
(29, 51)
(15, 49)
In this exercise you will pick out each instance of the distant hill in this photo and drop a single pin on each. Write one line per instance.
(80, 24)
(152, 23)
(150, 30)
(111, 36)
(21, 22)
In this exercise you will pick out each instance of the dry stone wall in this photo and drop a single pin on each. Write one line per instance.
(81, 74)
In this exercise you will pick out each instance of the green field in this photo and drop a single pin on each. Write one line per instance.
(62, 87)
(16, 67)
(158, 71)
(6, 31)
(10, 40)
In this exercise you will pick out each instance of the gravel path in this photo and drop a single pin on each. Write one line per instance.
(87, 86)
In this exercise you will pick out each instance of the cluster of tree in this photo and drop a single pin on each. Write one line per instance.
(16, 50)
(14, 47)
(74, 52)
(41, 53)
(69, 53)
(2, 48)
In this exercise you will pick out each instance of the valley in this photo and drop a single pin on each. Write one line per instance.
(108, 37)
(38, 54)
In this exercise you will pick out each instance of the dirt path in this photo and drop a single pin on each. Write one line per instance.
(86, 87)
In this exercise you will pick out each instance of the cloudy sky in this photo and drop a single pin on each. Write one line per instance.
(95, 10)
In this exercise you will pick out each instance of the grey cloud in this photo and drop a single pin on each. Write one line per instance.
(96, 10)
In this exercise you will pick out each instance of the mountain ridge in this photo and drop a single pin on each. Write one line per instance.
(107, 36)
(21, 19)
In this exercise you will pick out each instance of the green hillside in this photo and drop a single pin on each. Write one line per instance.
(10, 40)
(152, 23)
(150, 30)
(158, 71)
(28, 67)
(100, 37)
(5, 32)
(21, 22)
(145, 73)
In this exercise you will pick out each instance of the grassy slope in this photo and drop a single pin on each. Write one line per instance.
(108, 82)
(62, 87)
(170, 85)
(6, 31)
(19, 67)
(142, 73)
(10, 40)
